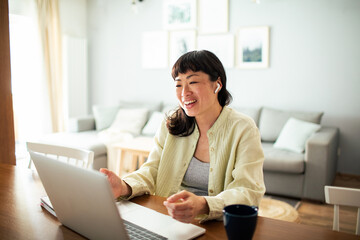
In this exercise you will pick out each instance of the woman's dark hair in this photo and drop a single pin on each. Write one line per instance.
(205, 61)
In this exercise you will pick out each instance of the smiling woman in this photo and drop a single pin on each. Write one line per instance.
(206, 155)
(197, 74)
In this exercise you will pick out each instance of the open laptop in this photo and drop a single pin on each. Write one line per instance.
(83, 202)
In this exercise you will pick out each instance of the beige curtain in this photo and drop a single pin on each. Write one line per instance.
(50, 32)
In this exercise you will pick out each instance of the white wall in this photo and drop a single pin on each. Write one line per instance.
(314, 60)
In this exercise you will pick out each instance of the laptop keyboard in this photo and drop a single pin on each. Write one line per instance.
(137, 232)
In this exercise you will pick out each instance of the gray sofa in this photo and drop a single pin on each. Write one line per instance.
(286, 173)
(84, 132)
(293, 174)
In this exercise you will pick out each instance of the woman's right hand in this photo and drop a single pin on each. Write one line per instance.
(118, 186)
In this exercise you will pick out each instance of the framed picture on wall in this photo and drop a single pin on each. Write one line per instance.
(179, 14)
(181, 42)
(213, 16)
(222, 45)
(155, 49)
(253, 47)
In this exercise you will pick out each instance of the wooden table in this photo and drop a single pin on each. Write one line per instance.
(139, 149)
(21, 216)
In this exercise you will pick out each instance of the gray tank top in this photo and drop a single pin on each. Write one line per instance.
(196, 178)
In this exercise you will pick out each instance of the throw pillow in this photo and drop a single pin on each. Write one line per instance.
(130, 120)
(104, 115)
(271, 121)
(153, 124)
(294, 134)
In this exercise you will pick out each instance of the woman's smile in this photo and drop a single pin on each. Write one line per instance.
(189, 104)
(195, 93)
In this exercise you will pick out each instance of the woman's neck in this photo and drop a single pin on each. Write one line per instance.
(206, 122)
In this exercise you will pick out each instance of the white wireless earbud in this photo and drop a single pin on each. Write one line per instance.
(218, 87)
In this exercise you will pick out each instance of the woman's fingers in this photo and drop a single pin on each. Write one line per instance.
(115, 182)
(183, 206)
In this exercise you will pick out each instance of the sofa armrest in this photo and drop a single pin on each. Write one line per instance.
(82, 124)
(321, 162)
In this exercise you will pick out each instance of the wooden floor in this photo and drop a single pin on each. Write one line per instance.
(314, 213)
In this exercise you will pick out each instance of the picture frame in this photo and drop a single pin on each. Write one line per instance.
(181, 42)
(213, 16)
(155, 49)
(179, 14)
(222, 45)
(253, 47)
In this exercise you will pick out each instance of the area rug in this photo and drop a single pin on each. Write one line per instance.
(277, 209)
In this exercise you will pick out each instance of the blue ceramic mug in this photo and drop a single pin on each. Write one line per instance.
(240, 221)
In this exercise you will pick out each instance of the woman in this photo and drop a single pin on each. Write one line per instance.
(207, 155)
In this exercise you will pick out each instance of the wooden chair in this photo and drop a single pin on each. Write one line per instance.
(79, 157)
(340, 196)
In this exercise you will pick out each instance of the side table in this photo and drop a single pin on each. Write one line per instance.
(139, 148)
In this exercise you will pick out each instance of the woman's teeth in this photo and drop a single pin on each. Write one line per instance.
(189, 102)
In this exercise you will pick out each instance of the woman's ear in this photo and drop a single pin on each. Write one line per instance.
(218, 85)
(217, 88)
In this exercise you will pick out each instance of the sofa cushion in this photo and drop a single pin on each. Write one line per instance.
(88, 140)
(294, 134)
(254, 113)
(104, 115)
(130, 120)
(153, 124)
(169, 108)
(278, 160)
(272, 121)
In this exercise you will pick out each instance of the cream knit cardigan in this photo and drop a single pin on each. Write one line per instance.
(236, 163)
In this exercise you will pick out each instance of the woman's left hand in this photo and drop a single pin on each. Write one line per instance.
(185, 206)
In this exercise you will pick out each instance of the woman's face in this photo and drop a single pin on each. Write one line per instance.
(196, 93)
